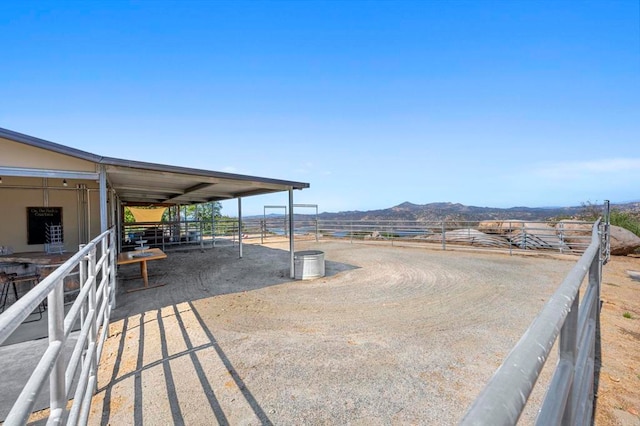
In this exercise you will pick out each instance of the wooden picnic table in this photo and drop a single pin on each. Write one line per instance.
(142, 257)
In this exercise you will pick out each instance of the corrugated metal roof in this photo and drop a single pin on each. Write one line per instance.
(138, 182)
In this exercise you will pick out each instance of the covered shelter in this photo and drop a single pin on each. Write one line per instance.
(85, 193)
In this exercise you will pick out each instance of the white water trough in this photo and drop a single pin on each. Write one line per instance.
(308, 264)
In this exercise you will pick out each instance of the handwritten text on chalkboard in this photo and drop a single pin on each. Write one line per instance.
(37, 220)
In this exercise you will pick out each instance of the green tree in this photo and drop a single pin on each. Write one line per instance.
(202, 212)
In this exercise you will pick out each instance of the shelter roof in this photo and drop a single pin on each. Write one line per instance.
(137, 182)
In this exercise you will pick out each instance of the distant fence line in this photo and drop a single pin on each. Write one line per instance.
(569, 237)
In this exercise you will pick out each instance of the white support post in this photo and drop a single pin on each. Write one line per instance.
(112, 271)
(240, 227)
(291, 244)
(57, 386)
(104, 223)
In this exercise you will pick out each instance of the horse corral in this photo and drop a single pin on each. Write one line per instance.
(405, 335)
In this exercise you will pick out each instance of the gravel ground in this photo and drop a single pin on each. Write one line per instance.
(392, 335)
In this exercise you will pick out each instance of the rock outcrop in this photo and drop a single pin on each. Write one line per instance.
(623, 241)
(500, 227)
(469, 236)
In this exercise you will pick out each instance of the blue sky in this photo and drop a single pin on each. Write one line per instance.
(486, 103)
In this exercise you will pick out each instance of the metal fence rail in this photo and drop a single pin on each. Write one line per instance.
(92, 308)
(563, 237)
(569, 398)
(567, 237)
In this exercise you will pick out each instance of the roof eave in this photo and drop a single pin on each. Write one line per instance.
(119, 162)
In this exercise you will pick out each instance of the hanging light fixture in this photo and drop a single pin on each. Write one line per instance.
(64, 182)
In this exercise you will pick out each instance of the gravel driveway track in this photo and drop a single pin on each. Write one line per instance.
(393, 335)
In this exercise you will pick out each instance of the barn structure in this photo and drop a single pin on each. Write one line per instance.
(80, 194)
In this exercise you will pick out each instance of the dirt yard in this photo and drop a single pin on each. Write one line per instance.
(619, 387)
(392, 335)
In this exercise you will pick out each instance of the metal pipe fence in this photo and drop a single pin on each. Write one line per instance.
(569, 397)
(566, 237)
(570, 237)
(92, 309)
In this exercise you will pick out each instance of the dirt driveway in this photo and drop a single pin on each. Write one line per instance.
(391, 336)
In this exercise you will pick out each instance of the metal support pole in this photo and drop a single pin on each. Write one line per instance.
(87, 195)
(291, 244)
(119, 234)
(104, 221)
(113, 282)
(112, 210)
(444, 240)
(240, 227)
(316, 223)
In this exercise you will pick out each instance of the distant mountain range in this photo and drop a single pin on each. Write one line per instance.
(455, 211)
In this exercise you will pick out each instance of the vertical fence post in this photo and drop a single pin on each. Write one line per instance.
(82, 276)
(93, 330)
(351, 232)
(113, 270)
(55, 314)
(568, 343)
(607, 225)
(595, 274)
(213, 230)
(262, 231)
(201, 234)
(509, 239)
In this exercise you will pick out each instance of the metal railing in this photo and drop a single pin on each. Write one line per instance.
(184, 232)
(567, 237)
(563, 237)
(569, 397)
(96, 262)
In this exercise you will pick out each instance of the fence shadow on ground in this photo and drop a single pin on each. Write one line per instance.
(161, 364)
(165, 366)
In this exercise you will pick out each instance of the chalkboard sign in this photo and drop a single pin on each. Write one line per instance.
(37, 220)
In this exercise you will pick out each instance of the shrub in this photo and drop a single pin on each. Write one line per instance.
(625, 220)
